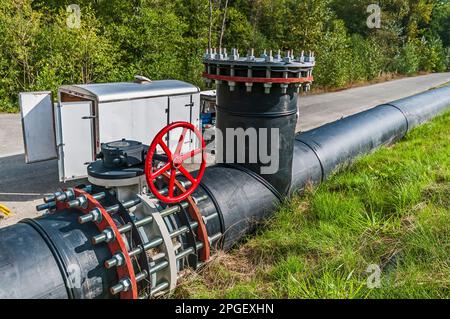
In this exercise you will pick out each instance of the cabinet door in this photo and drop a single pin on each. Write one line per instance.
(36, 110)
(75, 139)
(195, 117)
(181, 109)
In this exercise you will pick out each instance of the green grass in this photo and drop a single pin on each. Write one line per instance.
(390, 208)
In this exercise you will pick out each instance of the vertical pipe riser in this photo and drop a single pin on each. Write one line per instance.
(257, 110)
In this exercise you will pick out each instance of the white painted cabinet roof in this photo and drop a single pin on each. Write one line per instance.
(119, 91)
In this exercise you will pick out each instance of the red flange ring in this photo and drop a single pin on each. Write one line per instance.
(174, 163)
(118, 245)
(307, 79)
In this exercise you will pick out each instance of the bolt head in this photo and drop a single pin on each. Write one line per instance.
(126, 283)
(83, 201)
(120, 259)
(109, 234)
(97, 214)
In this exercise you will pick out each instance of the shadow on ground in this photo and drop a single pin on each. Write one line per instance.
(21, 182)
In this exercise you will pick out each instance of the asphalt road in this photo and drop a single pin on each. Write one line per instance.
(22, 186)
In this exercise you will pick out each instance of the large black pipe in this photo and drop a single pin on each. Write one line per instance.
(244, 199)
(335, 143)
(255, 111)
(318, 152)
(53, 257)
(35, 256)
(28, 269)
(241, 199)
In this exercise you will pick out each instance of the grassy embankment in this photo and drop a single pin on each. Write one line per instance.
(390, 209)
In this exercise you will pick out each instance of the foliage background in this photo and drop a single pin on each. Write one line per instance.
(166, 39)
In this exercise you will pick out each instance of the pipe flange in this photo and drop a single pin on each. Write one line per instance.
(136, 237)
(116, 245)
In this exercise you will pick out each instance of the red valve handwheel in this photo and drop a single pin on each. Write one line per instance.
(174, 163)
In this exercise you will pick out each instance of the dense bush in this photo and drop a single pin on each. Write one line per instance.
(160, 39)
(409, 59)
(447, 59)
(334, 57)
(433, 56)
(427, 55)
(367, 58)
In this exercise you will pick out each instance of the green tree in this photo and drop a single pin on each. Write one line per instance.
(408, 62)
(432, 55)
(151, 43)
(74, 55)
(334, 57)
(440, 22)
(366, 58)
(19, 26)
(161, 39)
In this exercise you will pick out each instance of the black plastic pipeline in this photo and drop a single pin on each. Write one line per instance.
(241, 199)
(40, 257)
(318, 152)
